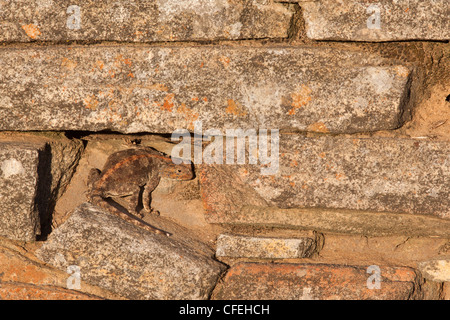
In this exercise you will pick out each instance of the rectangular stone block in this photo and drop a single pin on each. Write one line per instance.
(35, 169)
(260, 281)
(129, 261)
(19, 166)
(381, 20)
(142, 20)
(383, 175)
(236, 246)
(159, 89)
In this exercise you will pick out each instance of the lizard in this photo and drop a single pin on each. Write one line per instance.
(127, 180)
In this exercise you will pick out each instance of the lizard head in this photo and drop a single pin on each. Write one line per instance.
(180, 171)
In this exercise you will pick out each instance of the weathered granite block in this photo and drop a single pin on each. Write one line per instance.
(370, 174)
(142, 20)
(381, 20)
(19, 183)
(236, 246)
(129, 261)
(264, 281)
(159, 89)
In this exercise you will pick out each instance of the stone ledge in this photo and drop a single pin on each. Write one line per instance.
(341, 221)
(134, 89)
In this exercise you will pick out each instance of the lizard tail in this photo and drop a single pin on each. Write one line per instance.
(112, 208)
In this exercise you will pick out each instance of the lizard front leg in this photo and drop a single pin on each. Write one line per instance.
(151, 185)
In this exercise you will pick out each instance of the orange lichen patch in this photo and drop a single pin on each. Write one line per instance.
(322, 155)
(339, 176)
(318, 127)
(31, 30)
(100, 64)
(68, 64)
(195, 99)
(205, 99)
(131, 75)
(235, 108)
(168, 102)
(225, 61)
(300, 98)
(91, 102)
(120, 59)
(294, 163)
(189, 115)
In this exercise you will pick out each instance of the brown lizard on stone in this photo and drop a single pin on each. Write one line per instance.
(128, 179)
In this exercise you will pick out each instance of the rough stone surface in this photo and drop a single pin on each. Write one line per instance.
(127, 260)
(436, 270)
(19, 166)
(160, 89)
(26, 291)
(314, 282)
(18, 266)
(381, 175)
(357, 20)
(342, 221)
(382, 250)
(142, 20)
(236, 246)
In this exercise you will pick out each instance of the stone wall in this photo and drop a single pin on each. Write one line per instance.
(351, 203)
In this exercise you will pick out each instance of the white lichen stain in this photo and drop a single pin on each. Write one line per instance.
(11, 167)
(380, 79)
(262, 102)
(235, 30)
(169, 8)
